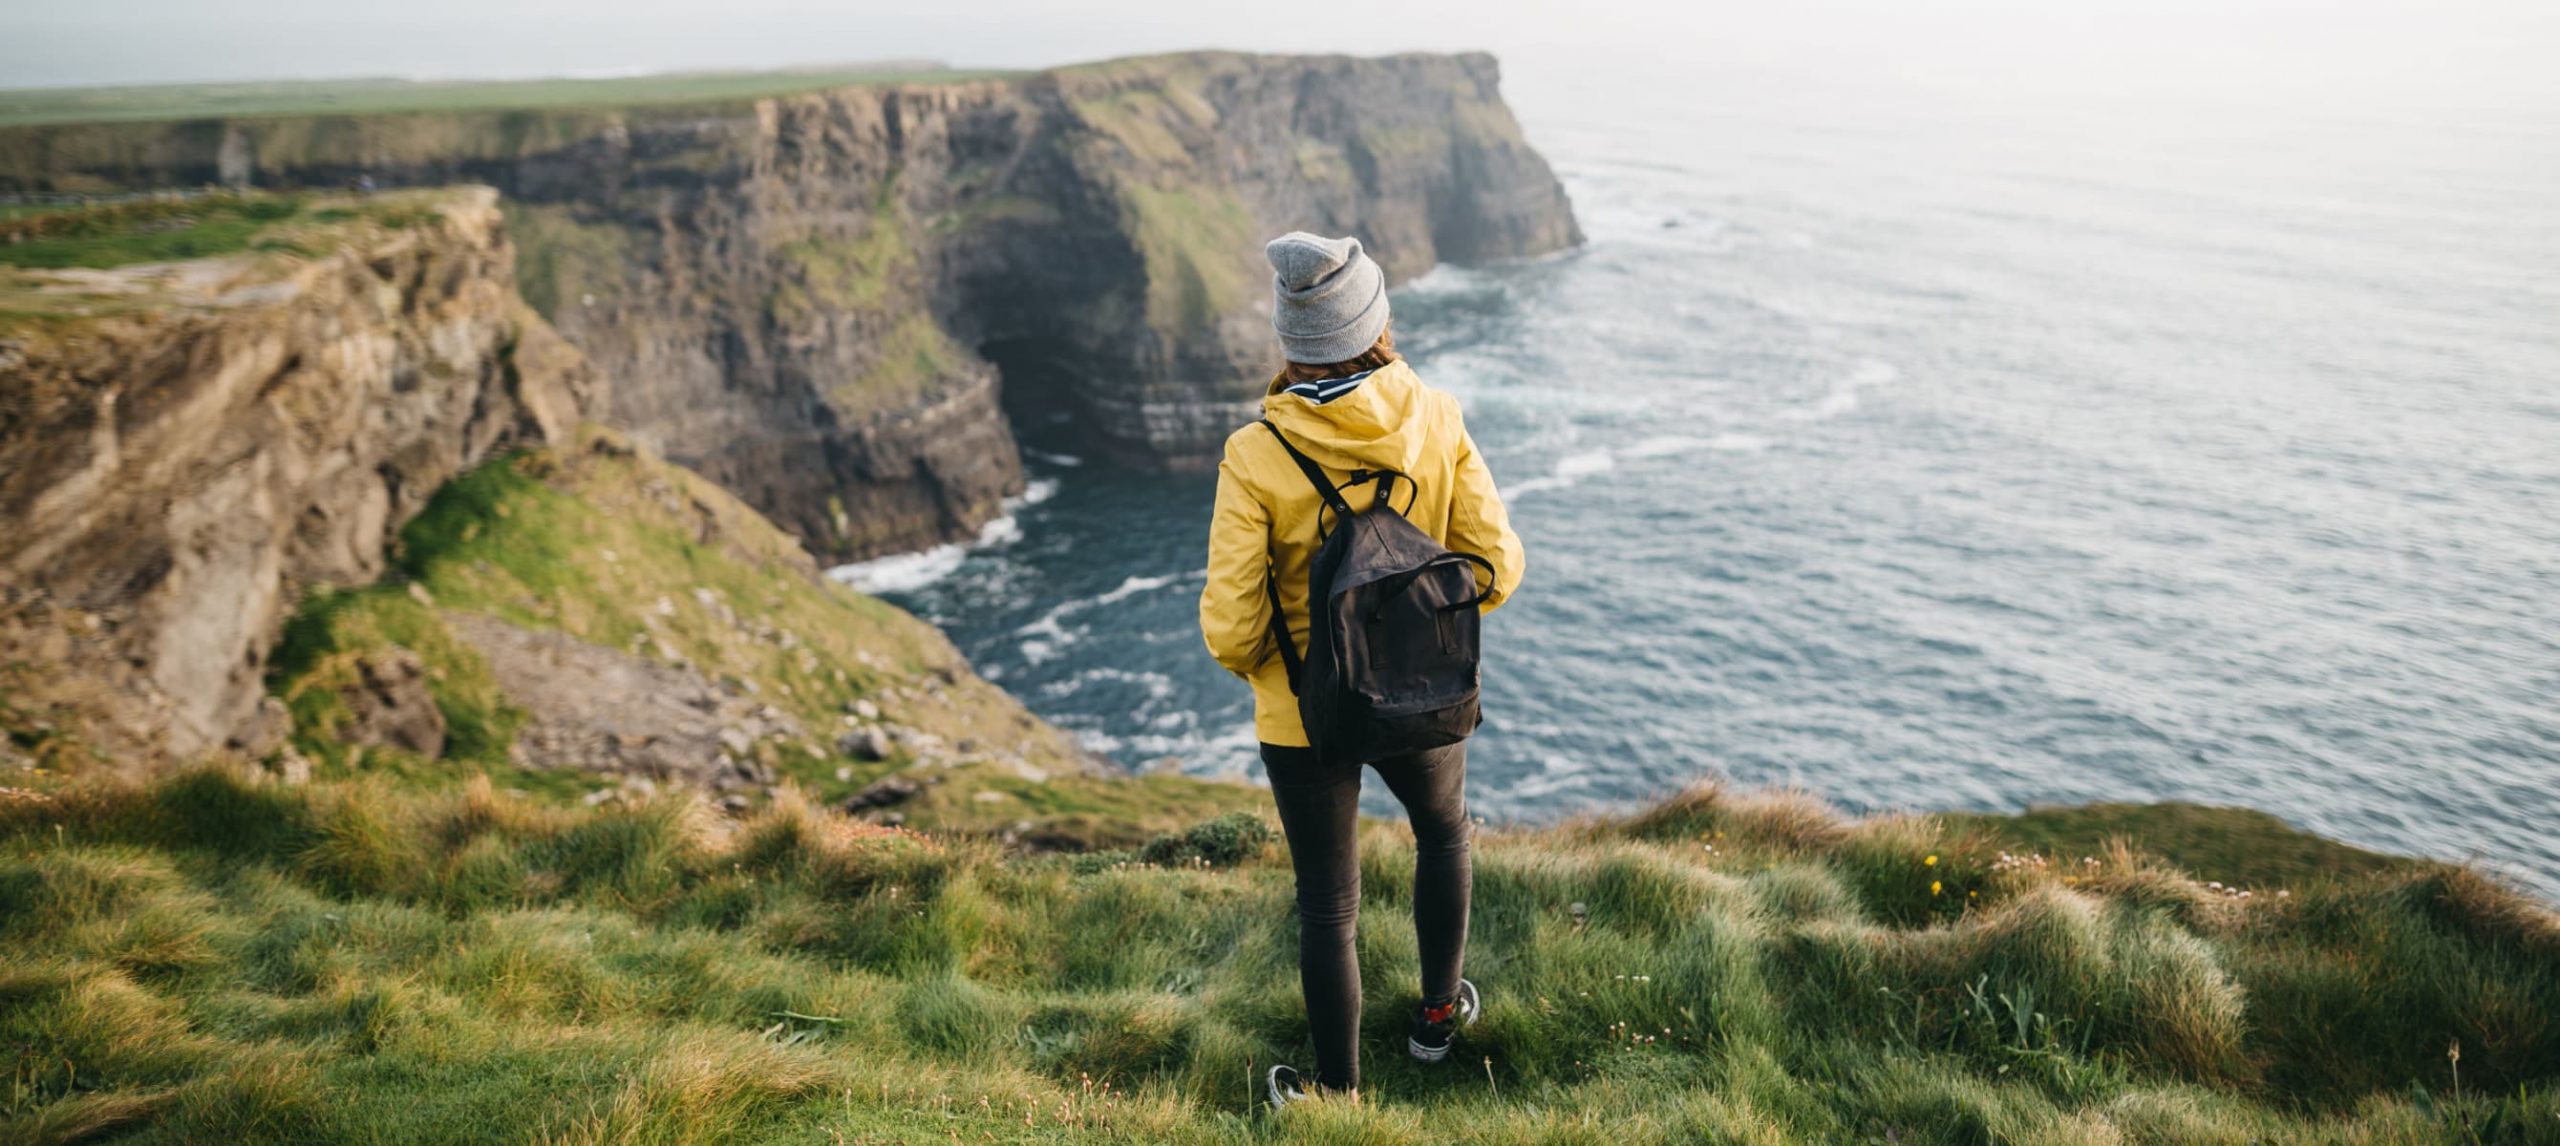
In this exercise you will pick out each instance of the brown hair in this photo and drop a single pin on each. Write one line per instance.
(1377, 355)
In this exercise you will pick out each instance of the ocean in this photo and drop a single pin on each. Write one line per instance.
(1942, 454)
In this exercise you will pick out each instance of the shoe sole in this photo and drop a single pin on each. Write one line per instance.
(1423, 1052)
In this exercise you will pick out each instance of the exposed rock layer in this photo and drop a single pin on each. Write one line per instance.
(176, 472)
(801, 296)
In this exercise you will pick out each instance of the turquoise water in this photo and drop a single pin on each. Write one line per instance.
(1933, 455)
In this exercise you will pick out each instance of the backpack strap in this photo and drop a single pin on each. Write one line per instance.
(1289, 660)
(1332, 494)
(1325, 488)
(1342, 511)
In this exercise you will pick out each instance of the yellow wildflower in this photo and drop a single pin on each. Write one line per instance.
(1932, 861)
(1935, 887)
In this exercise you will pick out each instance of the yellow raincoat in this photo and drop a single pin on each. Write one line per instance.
(1266, 516)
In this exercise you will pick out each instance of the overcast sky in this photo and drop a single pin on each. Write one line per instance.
(2457, 50)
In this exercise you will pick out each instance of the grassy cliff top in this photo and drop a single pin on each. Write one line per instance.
(145, 254)
(29, 106)
(208, 960)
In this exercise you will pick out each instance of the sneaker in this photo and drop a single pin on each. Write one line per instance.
(1435, 1027)
(1284, 1087)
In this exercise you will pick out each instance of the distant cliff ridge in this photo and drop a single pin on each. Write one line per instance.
(813, 298)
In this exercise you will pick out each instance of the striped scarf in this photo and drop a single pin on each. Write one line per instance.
(1324, 390)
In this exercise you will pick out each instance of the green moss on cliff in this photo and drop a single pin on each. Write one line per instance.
(1152, 124)
(561, 259)
(995, 210)
(1196, 242)
(908, 364)
(320, 659)
(871, 269)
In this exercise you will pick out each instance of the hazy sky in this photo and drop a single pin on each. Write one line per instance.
(2462, 50)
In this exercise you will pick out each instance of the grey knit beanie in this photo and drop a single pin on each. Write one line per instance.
(1329, 299)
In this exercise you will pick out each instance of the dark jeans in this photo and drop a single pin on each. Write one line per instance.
(1320, 813)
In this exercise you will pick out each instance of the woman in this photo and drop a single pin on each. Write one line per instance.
(1347, 400)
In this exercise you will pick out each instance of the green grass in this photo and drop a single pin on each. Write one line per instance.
(207, 960)
(37, 298)
(380, 96)
(616, 548)
(149, 231)
(2229, 845)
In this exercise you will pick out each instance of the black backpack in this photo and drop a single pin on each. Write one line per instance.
(1392, 628)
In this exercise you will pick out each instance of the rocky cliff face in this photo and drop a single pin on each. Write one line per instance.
(186, 449)
(811, 299)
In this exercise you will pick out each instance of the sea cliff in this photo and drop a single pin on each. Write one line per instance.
(830, 302)
(187, 448)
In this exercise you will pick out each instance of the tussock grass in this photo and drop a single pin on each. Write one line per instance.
(209, 959)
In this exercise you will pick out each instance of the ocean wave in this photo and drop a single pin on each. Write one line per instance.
(1049, 634)
(1158, 686)
(1568, 470)
(908, 572)
(1034, 492)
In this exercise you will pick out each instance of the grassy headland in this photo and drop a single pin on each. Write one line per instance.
(178, 228)
(208, 959)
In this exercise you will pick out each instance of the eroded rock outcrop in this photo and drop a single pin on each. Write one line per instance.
(187, 449)
(808, 298)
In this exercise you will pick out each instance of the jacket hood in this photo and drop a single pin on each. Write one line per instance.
(1378, 425)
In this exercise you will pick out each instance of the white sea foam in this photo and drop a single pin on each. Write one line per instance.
(1049, 635)
(1568, 470)
(908, 572)
(1158, 686)
(1136, 585)
(1067, 460)
(902, 572)
(1033, 493)
(1585, 464)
